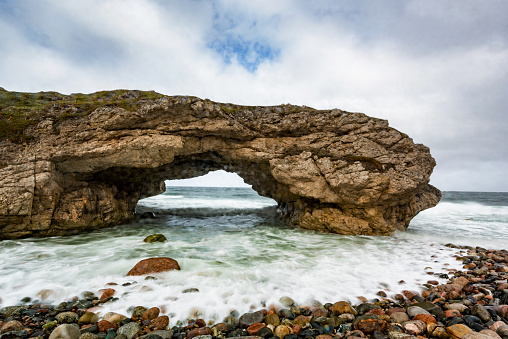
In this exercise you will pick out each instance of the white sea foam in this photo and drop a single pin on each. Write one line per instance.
(240, 261)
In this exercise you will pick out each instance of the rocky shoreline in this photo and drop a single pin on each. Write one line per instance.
(473, 304)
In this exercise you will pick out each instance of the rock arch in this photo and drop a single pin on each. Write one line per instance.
(82, 162)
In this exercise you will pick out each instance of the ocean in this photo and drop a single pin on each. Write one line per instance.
(235, 254)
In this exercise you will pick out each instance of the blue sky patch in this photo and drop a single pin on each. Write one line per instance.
(249, 53)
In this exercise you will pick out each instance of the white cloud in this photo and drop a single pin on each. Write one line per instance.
(435, 70)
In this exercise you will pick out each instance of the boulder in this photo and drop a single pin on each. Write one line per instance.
(154, 265)
(75, 163)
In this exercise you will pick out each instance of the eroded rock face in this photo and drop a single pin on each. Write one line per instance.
(78, 167)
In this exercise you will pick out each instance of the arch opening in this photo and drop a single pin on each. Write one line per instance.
(214, 200)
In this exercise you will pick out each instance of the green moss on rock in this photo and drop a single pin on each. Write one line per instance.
(18, 110)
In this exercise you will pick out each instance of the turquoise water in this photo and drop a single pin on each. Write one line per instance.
(237, 253)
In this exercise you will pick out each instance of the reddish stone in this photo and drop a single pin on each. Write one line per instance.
(427, 319)
(320, 312)
(107, 293)
(199, 331)
(297, 329)
(409, 294)
(451, 313)
(376, 311)
(159, 323)
(254, 328)
(301, 320)
(200, 323)
(154, 265)
(395, 309)
(10, 326)
(223, 327)
(398, 297)
(150, 314)
(105, 325)
(324, 336)
(433, 282)
(370, 325)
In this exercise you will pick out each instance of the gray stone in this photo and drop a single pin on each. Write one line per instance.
(66, 317)
(205, 336)
(161, 333)
(399, 317)
(414, 310)
(502, 331)
(65, 331)
(129, 330)
(481, 312)
(88, 335)
(248, 319)
(286, 301)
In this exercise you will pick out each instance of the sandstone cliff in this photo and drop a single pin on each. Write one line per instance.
(81, 162)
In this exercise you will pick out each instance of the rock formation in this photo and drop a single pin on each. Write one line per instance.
(70, 163)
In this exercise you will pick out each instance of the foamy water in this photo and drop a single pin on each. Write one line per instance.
(233, 249)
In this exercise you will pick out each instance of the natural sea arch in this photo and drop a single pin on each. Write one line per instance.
(82, 162)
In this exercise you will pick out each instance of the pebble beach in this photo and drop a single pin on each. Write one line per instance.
(473, 303)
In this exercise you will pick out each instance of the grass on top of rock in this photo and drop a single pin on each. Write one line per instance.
(21, 110)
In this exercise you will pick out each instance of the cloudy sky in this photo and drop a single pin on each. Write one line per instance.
(436, 69)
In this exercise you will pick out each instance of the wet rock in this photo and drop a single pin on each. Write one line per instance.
(341, 307)
(105, 325)
(301, 320)
(154, 265)
(431, 308)
(65, 331)
(155, 238)
(414, 310)
(66, 317)
(502, 331)
(88, 318)
(114, 318)
(476, 335)
(198, 332)
(231, 321)
(457, 331)
(11, 326)
(254, 328)
(248, 319)
(281, 331)
(368, 323)
(287, 301)
(265, 332)
(481, 312)
(456, 306)
(159, 323)
(399, 317)
(12, 311)
(88, 335)
(161, 333)
(496, 325)
(129, 330)
(138, 312)
(451, 313)
(490, 333)
(107, 293)
(150, 314)
(426, 318)
(365, 307)
(414, 327)
(272, 319)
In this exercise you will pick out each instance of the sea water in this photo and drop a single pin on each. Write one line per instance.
(235, 254)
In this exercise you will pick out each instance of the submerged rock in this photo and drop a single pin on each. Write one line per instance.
(155, 238)
(154, 265)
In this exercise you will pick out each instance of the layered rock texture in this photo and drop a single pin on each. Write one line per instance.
(80, 162)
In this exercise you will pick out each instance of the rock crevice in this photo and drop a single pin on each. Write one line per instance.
(74, 163)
